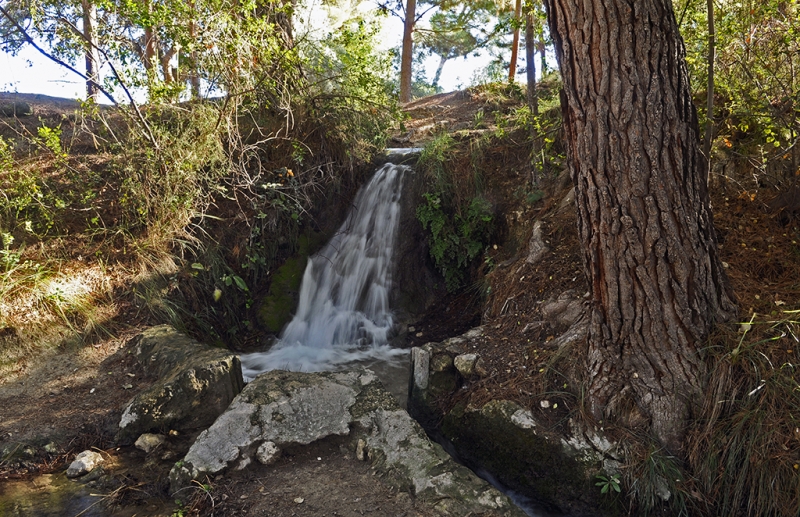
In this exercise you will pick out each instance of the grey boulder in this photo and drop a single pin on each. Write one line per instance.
(84, 463)
(196, 383)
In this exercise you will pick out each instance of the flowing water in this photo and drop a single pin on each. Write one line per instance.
(343, 316)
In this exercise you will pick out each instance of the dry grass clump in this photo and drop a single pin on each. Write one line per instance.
(744, 450)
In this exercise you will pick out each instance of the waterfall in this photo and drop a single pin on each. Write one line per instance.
(343, 313)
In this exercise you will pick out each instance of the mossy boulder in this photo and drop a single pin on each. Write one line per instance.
(556, 467)
(195, 384)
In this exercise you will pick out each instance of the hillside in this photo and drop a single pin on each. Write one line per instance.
(75, 292)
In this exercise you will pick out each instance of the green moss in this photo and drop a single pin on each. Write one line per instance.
(521, 459)
(278, 306)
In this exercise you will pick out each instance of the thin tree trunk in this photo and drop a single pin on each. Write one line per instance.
(284, 20)
(408, 48)
(92, 53)
(150, 51)
(542, 47)
(650, 248)
(170, 74)
(530, 65)
(709, 136)
(194, 70)
(150, 47)
(438, 75)
(512, 68)
(533, 98)
(793, 105)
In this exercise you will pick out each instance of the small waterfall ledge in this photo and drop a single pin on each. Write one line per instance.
(343, 315)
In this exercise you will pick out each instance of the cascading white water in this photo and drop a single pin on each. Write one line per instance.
(343, 313)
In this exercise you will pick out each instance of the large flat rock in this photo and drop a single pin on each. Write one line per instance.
(279, 409)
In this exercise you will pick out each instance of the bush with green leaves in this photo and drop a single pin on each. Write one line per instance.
(434, 157)
(167, 185)
(456, 239)
(350, 88)
(27, 203)
(756, 83)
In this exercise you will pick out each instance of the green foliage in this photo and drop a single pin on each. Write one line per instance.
(351, 87)
(756, 81)
(50, 139)
(656, 483)
(6, 155)
(208, 197)
(460, 31)
(27, 204)
(167, 186)
(8, 259)
(455, 239)
(608, 484)
(434, 157)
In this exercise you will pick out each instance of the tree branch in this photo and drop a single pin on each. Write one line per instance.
(51, 57)
(149, 133)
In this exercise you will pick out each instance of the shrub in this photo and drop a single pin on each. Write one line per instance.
(455, 239)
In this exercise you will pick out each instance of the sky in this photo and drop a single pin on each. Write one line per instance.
(30, 72)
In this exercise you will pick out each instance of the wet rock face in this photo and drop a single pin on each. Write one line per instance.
(284, 291)
(416, 284)
(554, 467)
(279, 409)
(196, 384)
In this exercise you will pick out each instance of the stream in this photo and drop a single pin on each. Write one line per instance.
(343, 315)
(343, 320)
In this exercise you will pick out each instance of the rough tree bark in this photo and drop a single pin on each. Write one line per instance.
(408, 47)
(650, 248)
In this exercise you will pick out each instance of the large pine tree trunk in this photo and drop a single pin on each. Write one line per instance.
(650, 253)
